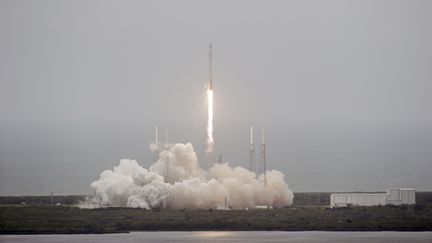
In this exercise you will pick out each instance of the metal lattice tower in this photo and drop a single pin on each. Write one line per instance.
(166, 135)
(263, 156)
(252, 152)
(156, 151)
(167, 147)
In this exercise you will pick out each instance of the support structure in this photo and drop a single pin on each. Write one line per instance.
(166, 147)
(166, 135)
(263, 156)
(156, 135)
(156, 151)
(226, 203)
(252, 152)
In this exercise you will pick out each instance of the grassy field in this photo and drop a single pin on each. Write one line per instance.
(51, 219)
(309, 212)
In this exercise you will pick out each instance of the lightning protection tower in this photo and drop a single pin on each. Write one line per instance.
(156, 150)
(263, 156)
(252, 152)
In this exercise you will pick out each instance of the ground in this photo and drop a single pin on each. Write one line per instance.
(309, 212)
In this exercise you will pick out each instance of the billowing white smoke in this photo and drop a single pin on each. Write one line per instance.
(176, 181)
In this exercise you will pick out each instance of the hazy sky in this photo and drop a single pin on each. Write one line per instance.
(344, 88)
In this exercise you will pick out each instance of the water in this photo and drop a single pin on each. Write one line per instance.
(231, 236)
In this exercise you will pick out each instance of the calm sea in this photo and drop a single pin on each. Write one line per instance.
(231, 236)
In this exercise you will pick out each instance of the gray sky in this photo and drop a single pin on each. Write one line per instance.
(342, 87)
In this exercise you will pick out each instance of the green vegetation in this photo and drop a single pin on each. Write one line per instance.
(50, 219)
(307, 213)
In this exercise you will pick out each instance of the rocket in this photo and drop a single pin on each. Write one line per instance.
(210, 85)
(209, 91)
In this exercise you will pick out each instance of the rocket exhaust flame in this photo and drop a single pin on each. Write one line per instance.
(210, 141)
(176, 181)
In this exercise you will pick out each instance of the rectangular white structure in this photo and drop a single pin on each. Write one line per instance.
(394, 196)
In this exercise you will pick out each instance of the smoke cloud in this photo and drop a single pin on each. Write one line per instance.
(176, 181)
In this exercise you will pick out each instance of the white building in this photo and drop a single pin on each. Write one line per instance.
(394, 196)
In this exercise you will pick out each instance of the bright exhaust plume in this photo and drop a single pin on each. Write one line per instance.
(210, 140)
